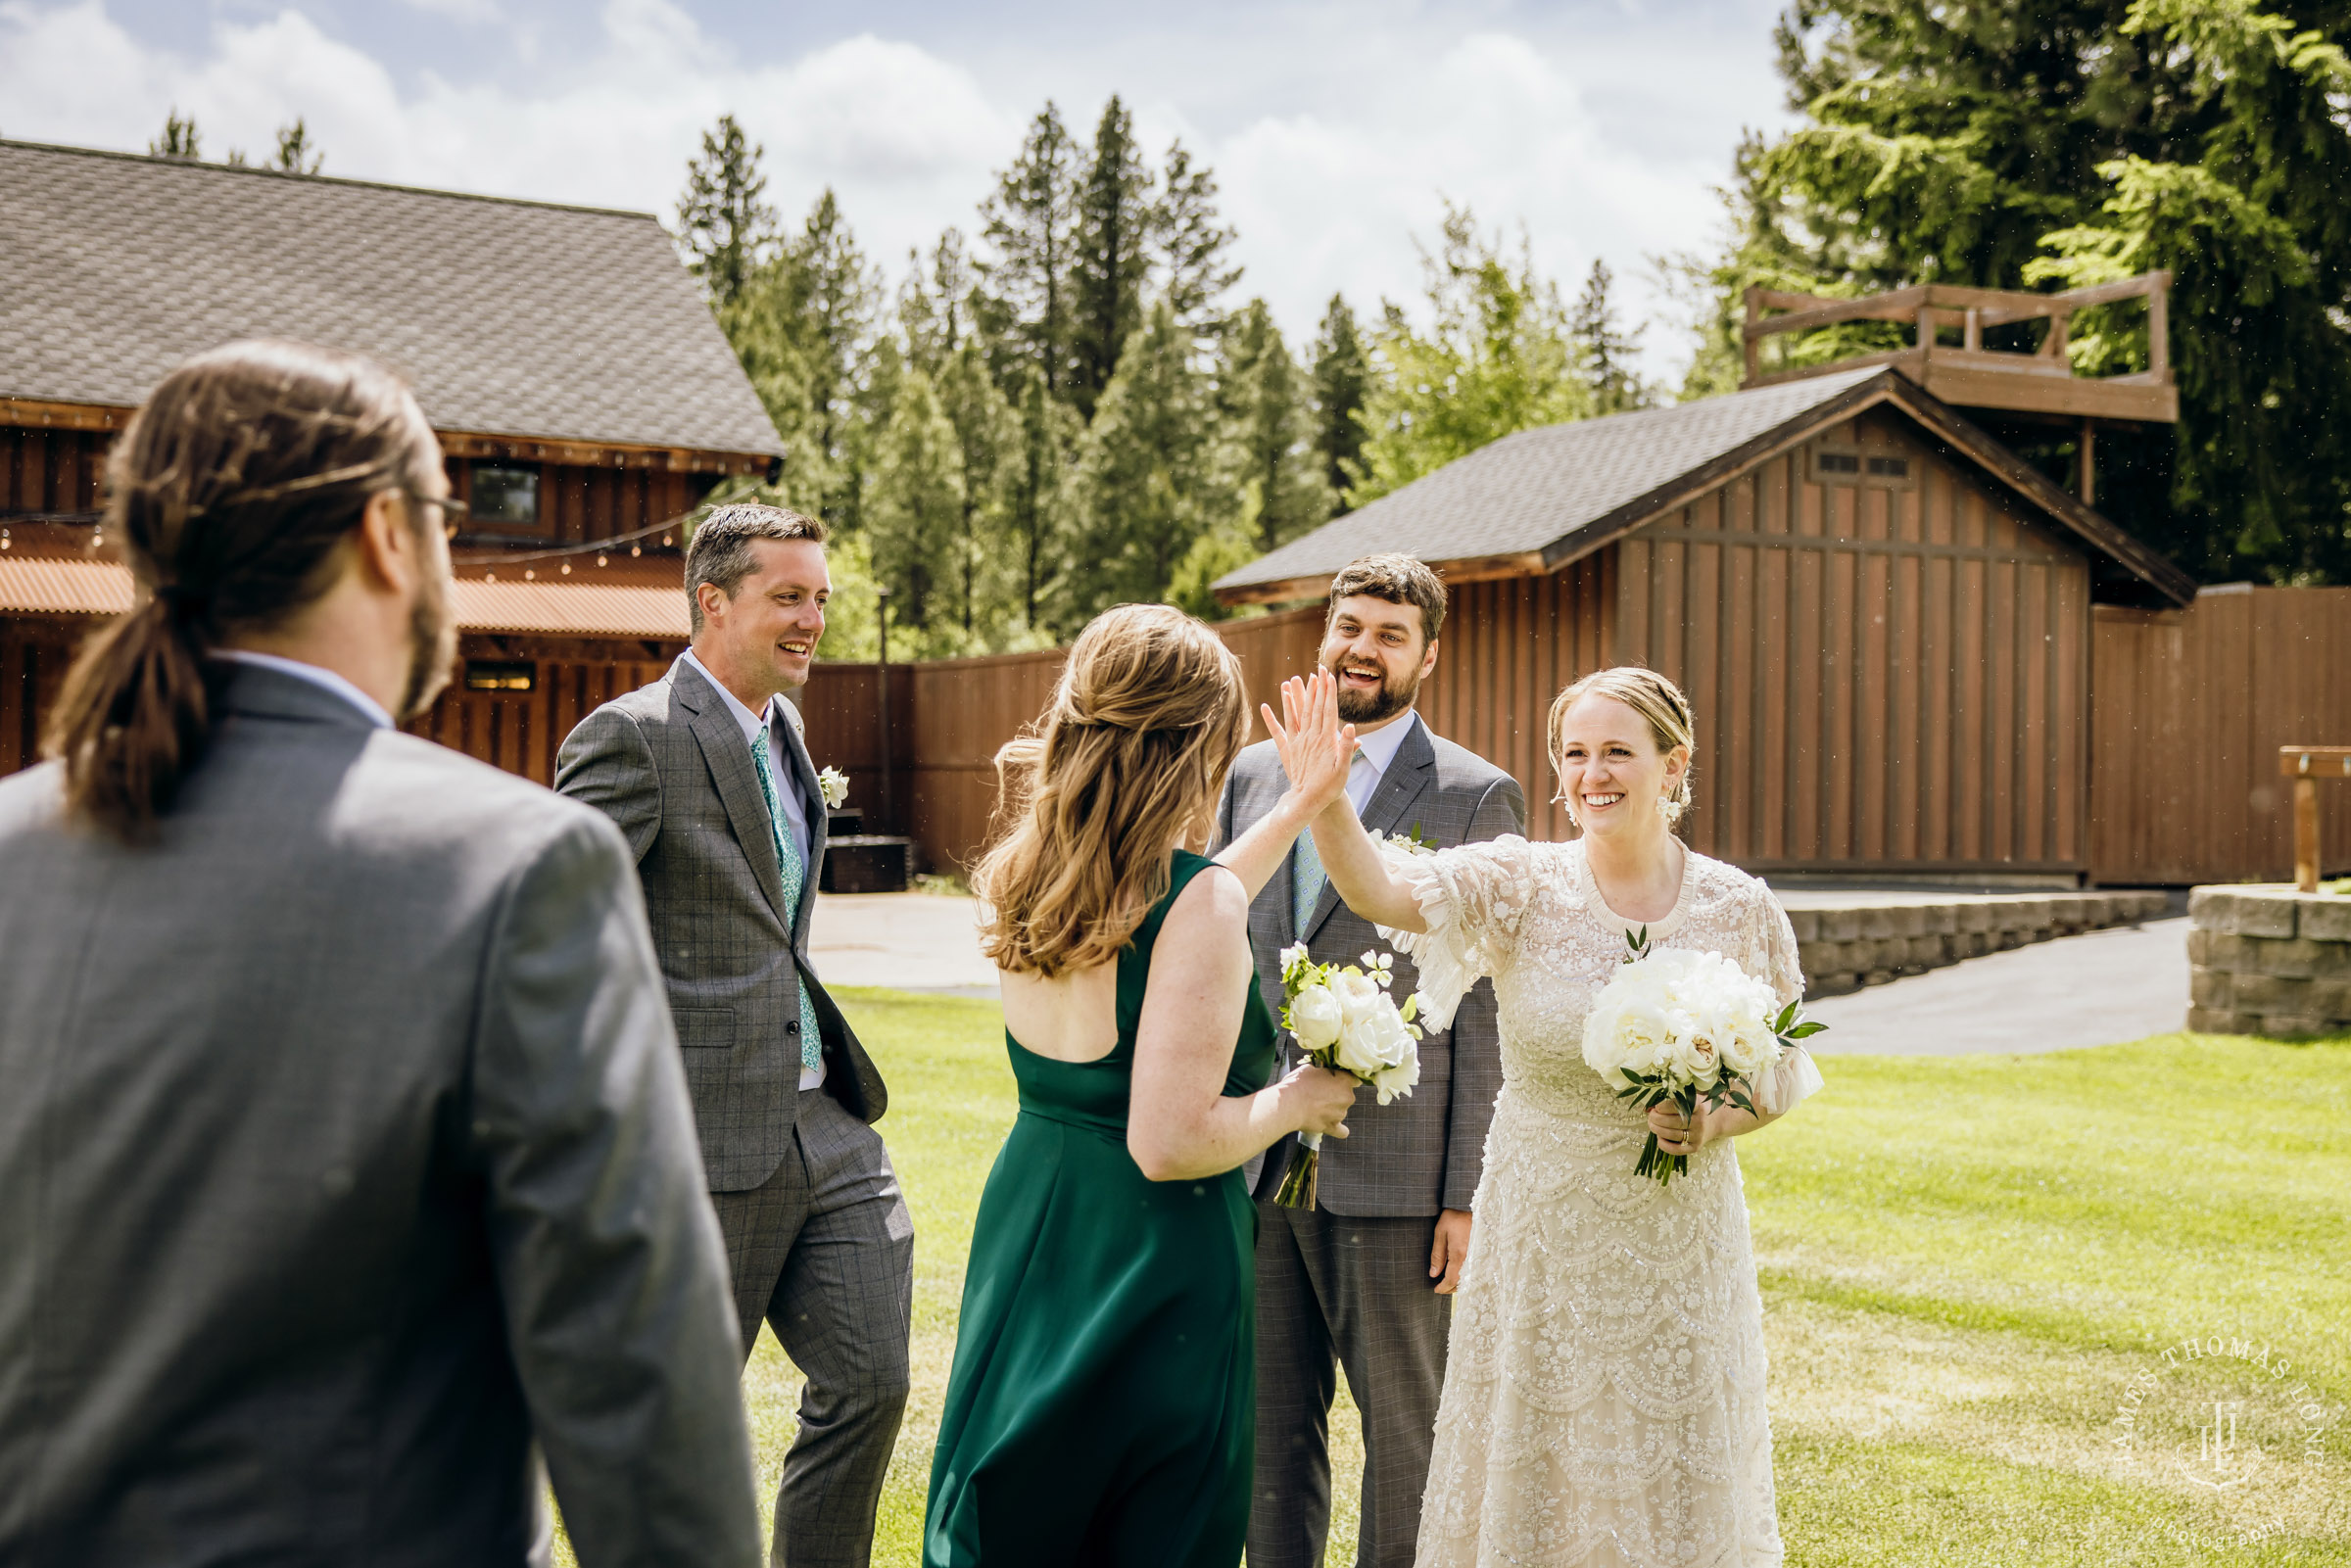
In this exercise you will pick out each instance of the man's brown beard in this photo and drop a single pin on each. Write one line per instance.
(1371, 707)
(432, 646)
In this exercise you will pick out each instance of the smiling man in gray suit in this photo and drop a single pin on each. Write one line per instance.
(1361, 1279)
(709, 779)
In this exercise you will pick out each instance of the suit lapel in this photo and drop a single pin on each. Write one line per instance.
(728, 758)
(1406, 776)
(786, 732)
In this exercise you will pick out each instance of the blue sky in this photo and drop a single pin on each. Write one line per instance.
(1337, 130)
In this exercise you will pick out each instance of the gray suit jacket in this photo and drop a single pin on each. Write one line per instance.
(343, 1148)
(669, 764)
(1424, 1153)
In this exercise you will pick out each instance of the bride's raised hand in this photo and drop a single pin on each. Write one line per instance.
(1315, 747)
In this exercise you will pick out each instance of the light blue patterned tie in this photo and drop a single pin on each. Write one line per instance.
(788, 858)
(1306, 887)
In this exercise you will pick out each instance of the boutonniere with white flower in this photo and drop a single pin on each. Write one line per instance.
(834, 786)
(1404, 845)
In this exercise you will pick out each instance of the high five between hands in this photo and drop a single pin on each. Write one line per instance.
(1317, 751)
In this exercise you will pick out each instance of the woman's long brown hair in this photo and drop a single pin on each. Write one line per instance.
(232, 490)
(1144, 724)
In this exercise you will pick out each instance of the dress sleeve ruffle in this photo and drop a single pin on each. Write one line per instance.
(1474, 900)
(1795, 1077)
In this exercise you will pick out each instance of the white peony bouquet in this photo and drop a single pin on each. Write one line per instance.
(1344, 1019)
(1674, 1025)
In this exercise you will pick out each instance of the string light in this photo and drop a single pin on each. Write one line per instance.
(567, 568)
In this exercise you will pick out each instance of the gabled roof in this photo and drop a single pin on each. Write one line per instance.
(1533, 502)
(507, 318)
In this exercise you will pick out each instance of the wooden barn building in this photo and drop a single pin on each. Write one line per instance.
(1883, 616)
(585, 400)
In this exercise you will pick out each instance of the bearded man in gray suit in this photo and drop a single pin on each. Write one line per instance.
(1361, 1280)
(709, 780)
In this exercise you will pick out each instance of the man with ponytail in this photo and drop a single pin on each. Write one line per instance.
(345, 1168)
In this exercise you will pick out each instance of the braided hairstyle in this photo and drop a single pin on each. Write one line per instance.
(1128, 757)
(233, 491)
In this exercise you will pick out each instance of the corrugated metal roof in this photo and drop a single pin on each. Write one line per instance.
(507, 317)
(40, 587)
(1531, 490)
(584, 609)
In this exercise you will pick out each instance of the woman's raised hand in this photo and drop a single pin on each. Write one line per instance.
(1316, 749)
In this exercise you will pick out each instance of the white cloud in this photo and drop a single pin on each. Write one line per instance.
(1328, 171)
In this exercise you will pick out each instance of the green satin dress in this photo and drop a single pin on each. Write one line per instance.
(1101, 1409)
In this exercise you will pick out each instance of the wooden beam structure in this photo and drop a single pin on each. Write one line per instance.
(1968, 374)
(2306, 766)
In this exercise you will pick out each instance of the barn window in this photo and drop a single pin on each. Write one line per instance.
(506, 496)
(1840, 462)
(1890, 469)
(500, 675)
(1847, 465)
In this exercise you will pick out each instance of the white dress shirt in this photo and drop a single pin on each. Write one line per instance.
(1374, 754)
(325, 679)
(787, 792)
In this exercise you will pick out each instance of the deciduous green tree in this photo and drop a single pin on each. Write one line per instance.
(1499, 358)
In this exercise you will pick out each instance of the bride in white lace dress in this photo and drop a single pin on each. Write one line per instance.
(1603, 1399)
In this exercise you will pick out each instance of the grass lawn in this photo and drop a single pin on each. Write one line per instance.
(1971, 1267)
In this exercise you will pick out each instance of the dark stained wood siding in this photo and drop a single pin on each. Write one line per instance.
(54, 472)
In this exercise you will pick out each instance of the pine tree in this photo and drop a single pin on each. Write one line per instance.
(988, 446)
(1111, 256)
(1021, 299)
(1153, 475)
(1190, 241)
(1605, 348)
(2077, 141)
(913, 511)
(181, 137)
(722, 228)
(1265, 396)
(1499, 359)
(1342, 379)
(297, 154)
(1036, 502)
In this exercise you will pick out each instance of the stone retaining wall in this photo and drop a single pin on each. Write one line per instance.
(2269, 959)
(1845, 948)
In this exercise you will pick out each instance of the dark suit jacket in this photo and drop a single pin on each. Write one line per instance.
(343, 1148)
(669, 764)
(1426, 1152)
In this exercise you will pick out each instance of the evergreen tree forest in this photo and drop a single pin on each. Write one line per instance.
(1072, 404)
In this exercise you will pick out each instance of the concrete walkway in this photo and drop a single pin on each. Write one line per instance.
(2097, 988)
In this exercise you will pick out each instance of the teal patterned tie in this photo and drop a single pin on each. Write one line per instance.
(1306, 885)
(788, 858)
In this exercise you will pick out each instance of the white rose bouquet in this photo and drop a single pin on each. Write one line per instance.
(1678, 1026)
(1344, 1019)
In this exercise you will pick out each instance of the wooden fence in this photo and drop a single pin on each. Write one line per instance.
(2187, 709)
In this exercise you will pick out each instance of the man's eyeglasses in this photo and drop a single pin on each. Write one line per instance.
(453, 511)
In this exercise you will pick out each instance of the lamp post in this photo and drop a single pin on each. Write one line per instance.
(882, 621)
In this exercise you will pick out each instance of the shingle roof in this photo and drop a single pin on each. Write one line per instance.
(507, 318)
(52, 586)
(1529, 491)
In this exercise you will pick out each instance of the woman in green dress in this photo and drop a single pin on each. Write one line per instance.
(1101, 1407)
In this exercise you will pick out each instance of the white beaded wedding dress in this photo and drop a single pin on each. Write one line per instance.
(1603, 1403)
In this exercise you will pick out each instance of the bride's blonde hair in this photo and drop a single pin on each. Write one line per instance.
(1131, 753)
